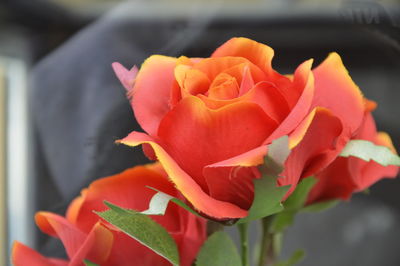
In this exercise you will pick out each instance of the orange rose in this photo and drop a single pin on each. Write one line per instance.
(86, 236)
(209, 120)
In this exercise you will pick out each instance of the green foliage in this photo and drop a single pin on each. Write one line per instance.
(294, 203)
(267, 196)
(282, 220)
(143, 229)
(267, 199)
(298, 198)
(218, 250)
(367, 151)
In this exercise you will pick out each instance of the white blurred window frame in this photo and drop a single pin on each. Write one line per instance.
(17, 186)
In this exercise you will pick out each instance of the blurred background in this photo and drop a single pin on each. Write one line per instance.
(61, 108)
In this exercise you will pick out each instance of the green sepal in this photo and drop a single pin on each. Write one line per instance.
(267, 195)
(293, 204)
(299, 196)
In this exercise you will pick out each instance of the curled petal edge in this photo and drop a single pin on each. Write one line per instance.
(185, 184)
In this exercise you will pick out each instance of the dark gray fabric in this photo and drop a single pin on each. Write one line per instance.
(80, 108)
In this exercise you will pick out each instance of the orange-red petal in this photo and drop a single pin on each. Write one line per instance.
(335, 90)
(302, 107)
(223, 133)
(265, 94)
(185, 184)
(191, 81)
(364, 173)
(96, 247)
(125, 76)
(151, 94)
(259, 54)
(334, 182)
(59, 227)
(347, 175)
(232, 184)
(22, 255)
(128, 189)
(319, 146)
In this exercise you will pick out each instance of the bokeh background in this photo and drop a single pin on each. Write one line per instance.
(61, 107)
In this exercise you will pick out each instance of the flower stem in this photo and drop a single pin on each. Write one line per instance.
(244, 240)
(268, 254)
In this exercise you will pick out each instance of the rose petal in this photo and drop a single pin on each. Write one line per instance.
(313, 151)
(265, 94)
(364, 174)
(231, 184)
(185, 184)
(192, 239)
(223, 133)
(335, 182)
(96, 247)
(320, 145)
(125, 76)
(247, 81)
(212, 67)
(245, 73)
(22, 255)
(127, 251)
(123, 189)
(301, 108)
(372, 171)
(270, 99)
(151, 94)
(335, 90)
(191, 81)
(57, 226)
(253, 157)
(259, 54)
(224, 87)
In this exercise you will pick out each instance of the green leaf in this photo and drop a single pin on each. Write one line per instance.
(218, 250)
(367, 151)
(267, 199)
(296, 257)
(161, 200)
(292, 205)
(299, 196)
(320, 206)
(89, 263)
(143, 229)
(267, 196)
(281, 221)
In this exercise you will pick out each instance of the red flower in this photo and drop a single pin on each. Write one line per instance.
(208, 120)
(86, 236)
(348, 175)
